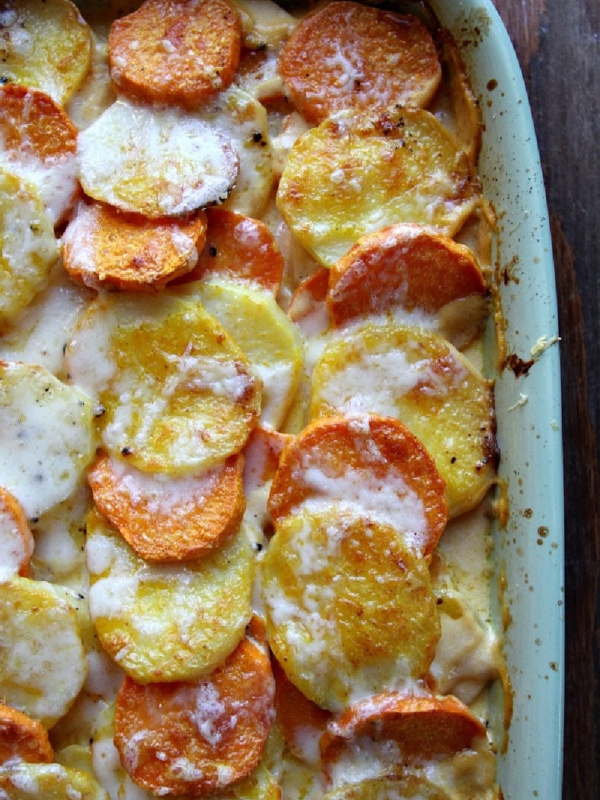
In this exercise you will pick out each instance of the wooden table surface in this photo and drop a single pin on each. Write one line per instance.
(558, 45)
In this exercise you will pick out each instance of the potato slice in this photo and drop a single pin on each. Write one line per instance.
(48, 781)
(108, 248)
(155, 161)
(241, 249)
(176, 52)
(368, 465)
(161, 623)
(16, 539)
(22, 738)
(42, 661)
(46, 44)
(424, 726)
(46, 439)
(422, 380)
(400, 166)
(266, 336)
(39, 333)
(175, 392)
(196, 738)
(264, 23)
(350, 608)
(408, 787)
(39, 142)
(243, 121)
(350, 56)
(177, 519)
(28, 247)
(403, 266)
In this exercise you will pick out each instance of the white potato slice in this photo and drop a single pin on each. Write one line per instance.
(155, 161)
(266, 336)
(48, 782)
(264, 23)
(350, 608)
(97, 92)
(42, 660)
(164, 622)
(422, 380)
(39, 334)
(176, 394)
(400, 166)
(243, 121)
(28, 247)
(386, 788)
(46, 439)
(45, 44)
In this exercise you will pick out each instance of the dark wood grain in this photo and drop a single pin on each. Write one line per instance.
(558, 45)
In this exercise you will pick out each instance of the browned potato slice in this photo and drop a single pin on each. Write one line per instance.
(422, 380)
(175, 392)
(161, 623)
(350, 608)
(46, 44)
(350, 56)
(155, 161)
(398, 166)
(28, 247)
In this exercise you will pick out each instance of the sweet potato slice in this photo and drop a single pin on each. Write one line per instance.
(349, 606)
(367, 463)
(308, 307)
(399, 165)
(176, 51)
(350, 56)
(46, 44)
(240, 249)
(39, 141)
(419, 378)
(170, 520)
(262, 453)
(195, 738)
(404, 265)
(111, 249)
(302, 721)
(16, 539)
(425, 726)
(22, 738)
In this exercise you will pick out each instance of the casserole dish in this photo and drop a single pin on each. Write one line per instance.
(530, 549)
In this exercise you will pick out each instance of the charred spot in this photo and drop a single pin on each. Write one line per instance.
(212, 250)
(518, 366)
(257, 137)
(126, 451)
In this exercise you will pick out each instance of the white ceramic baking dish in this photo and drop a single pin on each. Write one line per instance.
(529, 551)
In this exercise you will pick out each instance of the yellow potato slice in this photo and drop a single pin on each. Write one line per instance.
(400, 166)
(264, 23)
(161, 622)
(155, 161)
(266, 336)
(46, 44)
(28, 247)
(48, 782)
(39, 333)
(422, 380)
(46, 439)
(350, 608)
(243, 121)
(42, 660)
(175, 392)
(389, 788)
